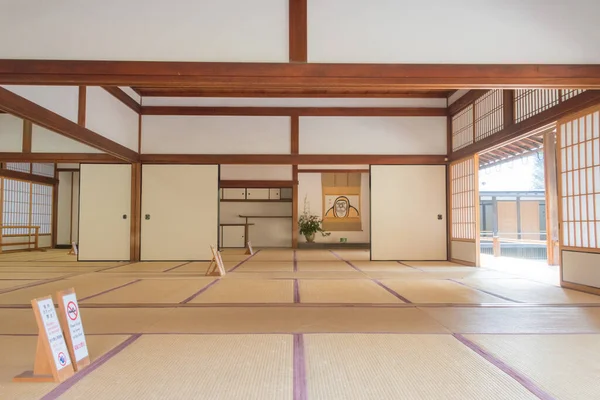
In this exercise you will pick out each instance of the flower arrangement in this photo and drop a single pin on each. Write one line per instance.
(309, 224)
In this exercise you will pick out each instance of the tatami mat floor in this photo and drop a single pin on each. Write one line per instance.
(305, 325)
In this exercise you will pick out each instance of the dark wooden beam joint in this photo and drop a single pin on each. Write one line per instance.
(27, 135)
(255, 184)
(123, 98)
(298, 31)
(60, 158)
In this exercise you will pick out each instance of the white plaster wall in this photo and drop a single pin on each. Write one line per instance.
(373, 135)
(109, 117)
(256, 172)
(464, 251)
(291, 102)
(582, 268)
(131, 93)
(310, 190)
(62, 100)
(11, 133)
(152, 30)
(45, 141)
(215, 135)
(272, 232)
(457, 95)
(459, 31)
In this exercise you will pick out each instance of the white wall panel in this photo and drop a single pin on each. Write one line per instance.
(405, 203)
(256, 172)
(460, 31)
(373, 135)
(464, 251)
(266, 232)
(457, 95)
(45, 141)
(11, 133)
(215, 135)
(105, 196)
(291, 102)
(62, 100)
(182, 202)
(67, 166)
(581, 268)
(64, 222)
(201, 30)
(131, 93)
(109, 117)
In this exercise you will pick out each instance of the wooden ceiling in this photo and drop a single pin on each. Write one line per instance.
(290, 92)
(512, 151)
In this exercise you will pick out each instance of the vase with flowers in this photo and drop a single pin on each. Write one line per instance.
(309, 224)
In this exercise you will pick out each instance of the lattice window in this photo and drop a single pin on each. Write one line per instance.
(43, 169)
(567, 94)
(26, 204)
(462, 128)
(489, 114)
(529, 102)
(15, 205)
(579, 166)
(41, 207)
(463, 198)
(21, 167)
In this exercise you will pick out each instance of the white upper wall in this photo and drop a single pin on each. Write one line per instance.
(11, 133)
(145, 30)
(456, 95)
(373, 135)
(109, 117)
(459, 31)
(62, 100)
(256, 172)
(45, 141)
(175, 134)
(291, 102)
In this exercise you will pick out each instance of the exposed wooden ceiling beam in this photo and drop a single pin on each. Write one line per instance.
(123, 98)
(60, 157)
(291, 159)
(299, 111)
(6, 173)
(297, 75)
(25, 109)
(286, 93)
(298, 31)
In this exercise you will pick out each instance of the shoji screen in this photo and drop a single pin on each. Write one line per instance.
(180, 210)
(104, 212)
(578, 147)
(406, 201)
(464, 207)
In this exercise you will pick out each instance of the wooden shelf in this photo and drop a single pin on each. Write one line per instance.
(265, 216)
(235, 224)
(257, 201)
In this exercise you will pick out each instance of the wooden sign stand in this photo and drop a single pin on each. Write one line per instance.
(73, 251)
(216, 267)
(52, 362)
(70, 320)
(249, 249)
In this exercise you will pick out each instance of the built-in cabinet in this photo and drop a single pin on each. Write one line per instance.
(233, 236)
(256, 194)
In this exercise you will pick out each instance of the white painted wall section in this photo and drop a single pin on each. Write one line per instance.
(145, 30)
(215, 135)
(11, 133)
(256, 172)
(109, 117)
(61, 100)
(581, 268)
(373, 135)
(463, 251)
(460, 31)
(46, 141)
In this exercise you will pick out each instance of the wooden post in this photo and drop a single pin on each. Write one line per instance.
(37, 237)
(551, 191)
(496, 246)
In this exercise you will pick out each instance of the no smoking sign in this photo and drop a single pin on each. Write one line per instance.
(72, 311)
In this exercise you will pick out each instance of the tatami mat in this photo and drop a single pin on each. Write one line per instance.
(354, 255)
(248, 291)
(7, 284)
(291, 320)
(147, 266)
(382, 266)
(518, 320)
(84, 286)
(532, 292)
(433, 264)
(344, 291)
(266, 266)
(18, 355)
(561, 365)
(315, 255)
(193, 367)
(197, 267)
(272, 255)
(153, 291)
(304, 266)
(439, 291)
(403, 367)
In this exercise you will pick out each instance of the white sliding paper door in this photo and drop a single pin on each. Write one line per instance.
(407, 202)
(105, 212)
(180, 210)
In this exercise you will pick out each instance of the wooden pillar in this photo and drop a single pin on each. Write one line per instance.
(551, 191)
(494, 216)
(509, 107)
(136, 217)
(298, 30)
(294, 150)
(55, 207)
(518, 201)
